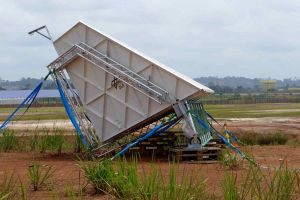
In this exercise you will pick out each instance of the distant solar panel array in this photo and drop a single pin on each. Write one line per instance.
(21, 94)
(14, 97)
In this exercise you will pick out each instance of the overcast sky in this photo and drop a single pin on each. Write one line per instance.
(254, 38)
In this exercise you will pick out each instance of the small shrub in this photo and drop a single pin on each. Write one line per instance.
(280, 138)
(277, 138)
(264, 140)
(37, 176)
(272, 139)
(230, 160)
(99, 174)
(248, 138)
(8, 141)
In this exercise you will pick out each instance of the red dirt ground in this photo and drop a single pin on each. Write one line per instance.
(68, 174)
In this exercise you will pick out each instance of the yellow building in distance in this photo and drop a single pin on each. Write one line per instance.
(268, 85)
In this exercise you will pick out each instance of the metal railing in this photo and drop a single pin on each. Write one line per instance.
(112, 67)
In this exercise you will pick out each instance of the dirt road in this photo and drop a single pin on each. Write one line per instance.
(290, 125)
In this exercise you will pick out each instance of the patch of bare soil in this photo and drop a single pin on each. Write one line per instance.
(265, 125)
(68, 174)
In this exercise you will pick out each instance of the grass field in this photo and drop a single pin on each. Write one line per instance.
(36, 113)
(254, 110)
(218, 111)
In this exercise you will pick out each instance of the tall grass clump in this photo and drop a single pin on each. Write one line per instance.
(72, 193)
(8, 186)
(33, 141)
(22, 191)
(277, 138)
(281, 184)
(229, 186)
(99, 174)
(38, 176)
(8, 141)
(248, 138)
(55, 142)
(43, 139)
(125, 181)
(150, 189)
(46, 142)
(119, 182)
(58, 140)
(187, 186)
(272, 139)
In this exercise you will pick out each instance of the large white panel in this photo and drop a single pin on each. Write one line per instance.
(108, 128)
(118, 53)
(95, 75)
(96, 107)
(138, 63)
(93, 38)
(91, 92)
(68, 40)
(165, 80)
(113, 110)
(78, 83)
(102, 47)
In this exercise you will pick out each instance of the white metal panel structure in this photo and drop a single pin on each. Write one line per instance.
(114, 103)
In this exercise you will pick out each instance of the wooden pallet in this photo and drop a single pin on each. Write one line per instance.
(195, 154)
(173, 144)
(155, 145)
(216, 142)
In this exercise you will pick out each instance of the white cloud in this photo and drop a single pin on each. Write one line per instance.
(198, 38)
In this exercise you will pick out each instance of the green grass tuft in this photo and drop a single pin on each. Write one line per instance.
(8, 186)
(39, 176)
(8, 141)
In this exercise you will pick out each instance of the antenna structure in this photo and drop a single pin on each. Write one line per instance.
(37, 30)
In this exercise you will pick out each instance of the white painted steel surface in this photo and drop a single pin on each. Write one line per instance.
(114, 110)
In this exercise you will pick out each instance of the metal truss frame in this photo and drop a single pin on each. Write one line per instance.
(112, 67)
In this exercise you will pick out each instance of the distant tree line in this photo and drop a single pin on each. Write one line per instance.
(227, 84)
(26, 84)
(244, 85)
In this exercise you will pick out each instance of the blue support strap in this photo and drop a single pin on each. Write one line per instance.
(27, 101)
(233, 136)
(242, 154)
(70, 113)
